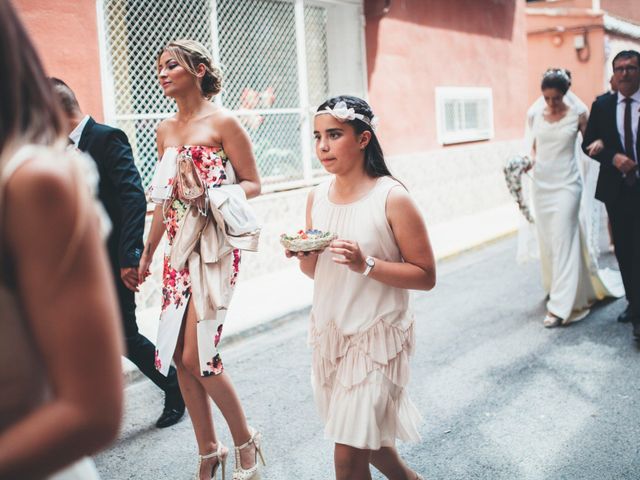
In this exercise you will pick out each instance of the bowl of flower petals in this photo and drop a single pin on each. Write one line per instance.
(307, 240)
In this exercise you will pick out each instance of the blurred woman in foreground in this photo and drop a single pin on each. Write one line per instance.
(60, 370)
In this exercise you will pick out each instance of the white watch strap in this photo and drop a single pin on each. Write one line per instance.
(369, 267)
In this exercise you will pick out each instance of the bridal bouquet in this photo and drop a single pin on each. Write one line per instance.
(513, 170)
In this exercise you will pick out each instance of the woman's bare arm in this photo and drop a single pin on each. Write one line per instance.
(583, 119)
(418, 270)
(72, 313)
(237, 146)
(153, 239)
(156, 230)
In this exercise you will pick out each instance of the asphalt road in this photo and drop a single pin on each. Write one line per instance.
(502, 397)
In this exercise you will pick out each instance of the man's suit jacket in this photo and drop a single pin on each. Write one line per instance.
(603, 125)
(120, 190)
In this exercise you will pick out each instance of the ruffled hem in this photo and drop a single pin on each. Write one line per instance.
(349, 359)
(370, 415)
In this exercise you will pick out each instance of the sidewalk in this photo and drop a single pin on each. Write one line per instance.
(261, 302)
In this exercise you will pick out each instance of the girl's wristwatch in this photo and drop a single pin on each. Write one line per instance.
(370, 262)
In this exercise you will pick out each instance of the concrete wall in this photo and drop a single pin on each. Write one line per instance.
(65, 33)
(447, 184)
(460, 190)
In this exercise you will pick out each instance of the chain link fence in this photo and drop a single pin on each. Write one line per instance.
(277, 58)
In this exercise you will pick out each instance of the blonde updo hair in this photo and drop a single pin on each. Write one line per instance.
(189, 54)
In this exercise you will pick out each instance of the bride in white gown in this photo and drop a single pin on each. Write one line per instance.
(570, 274)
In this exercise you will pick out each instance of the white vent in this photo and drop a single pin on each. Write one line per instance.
(464, 114)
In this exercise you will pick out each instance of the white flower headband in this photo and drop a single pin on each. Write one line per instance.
(343, 114)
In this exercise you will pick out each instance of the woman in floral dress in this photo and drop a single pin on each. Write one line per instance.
(219, 148)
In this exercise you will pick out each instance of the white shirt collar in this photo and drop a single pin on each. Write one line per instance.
(77, 132)
(635, 97)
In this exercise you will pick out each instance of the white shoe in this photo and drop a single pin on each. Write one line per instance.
(251, 473)
(551, 321)
(221, 454)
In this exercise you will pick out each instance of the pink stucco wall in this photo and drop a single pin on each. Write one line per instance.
(549, 48)
(627, 9)
(422, 44)
(65, 33)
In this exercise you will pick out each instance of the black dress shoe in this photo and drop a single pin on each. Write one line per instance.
(173, 410)
(625, 317)
(170, 416)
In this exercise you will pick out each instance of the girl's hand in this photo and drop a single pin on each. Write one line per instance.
(312, 253)
(352, 256)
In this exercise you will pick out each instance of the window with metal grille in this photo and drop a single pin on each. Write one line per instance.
(463, 114)
(280, 59)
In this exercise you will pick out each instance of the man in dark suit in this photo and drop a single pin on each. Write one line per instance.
(121, 193)
(614, 119)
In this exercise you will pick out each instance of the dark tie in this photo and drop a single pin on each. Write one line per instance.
(629, 148)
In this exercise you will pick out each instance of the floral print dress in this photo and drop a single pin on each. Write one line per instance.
(211, 163)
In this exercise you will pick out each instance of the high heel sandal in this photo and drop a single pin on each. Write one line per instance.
(221, 454)
(251, 473)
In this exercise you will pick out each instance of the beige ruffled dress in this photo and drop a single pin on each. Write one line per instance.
(361, 330)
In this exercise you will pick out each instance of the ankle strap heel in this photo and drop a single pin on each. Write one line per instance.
(251, 473)
(221, 454)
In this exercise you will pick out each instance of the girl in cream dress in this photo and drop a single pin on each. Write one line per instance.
(362, 331)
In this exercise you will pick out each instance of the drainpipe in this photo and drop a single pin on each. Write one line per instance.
(595, 5)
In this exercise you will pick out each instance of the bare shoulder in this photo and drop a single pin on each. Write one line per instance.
(165, 125)
(42, 191)
(399, 198)
(40, 177)
(223, 117)
(400, 206)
